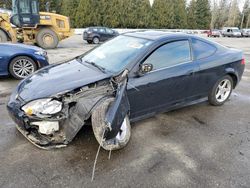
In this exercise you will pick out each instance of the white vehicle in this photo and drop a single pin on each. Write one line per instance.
(231, 32)
(245, 32)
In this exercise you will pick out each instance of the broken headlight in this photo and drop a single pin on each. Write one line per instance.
(42, 106)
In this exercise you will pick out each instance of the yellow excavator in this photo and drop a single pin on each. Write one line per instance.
(26, 24)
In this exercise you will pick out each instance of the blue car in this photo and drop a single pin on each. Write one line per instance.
(131, 77)
(20, 61)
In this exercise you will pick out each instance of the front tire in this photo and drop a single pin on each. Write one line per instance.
(96, 40)
(22, 67)
(221, 91)
(98, 125)
(3, 37)
(47, 39)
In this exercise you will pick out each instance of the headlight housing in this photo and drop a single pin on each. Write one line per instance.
(40, 107)
(41, 53)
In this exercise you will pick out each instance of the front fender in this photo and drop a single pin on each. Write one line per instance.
(117, 112)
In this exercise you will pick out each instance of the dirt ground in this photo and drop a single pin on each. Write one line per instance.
(197, 146)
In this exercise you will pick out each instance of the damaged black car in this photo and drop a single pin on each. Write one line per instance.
(129, 78)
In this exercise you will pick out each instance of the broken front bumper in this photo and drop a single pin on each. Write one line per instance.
(23, 124)
(77, 109)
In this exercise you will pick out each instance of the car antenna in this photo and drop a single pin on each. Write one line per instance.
(110, 153)
(96, 157)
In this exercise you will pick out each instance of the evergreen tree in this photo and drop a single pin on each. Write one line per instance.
(203, 14)
(6, 4)
(69, 8)
(143, 14)
(110, 13)
(55, 5)
(180, 14)
(191, 15)
(163, 14)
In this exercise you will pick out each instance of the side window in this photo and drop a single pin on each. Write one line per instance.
(101, 30)
(202, 49)
(170, 54)
(24, 6)
(34, 7)
(109, 31)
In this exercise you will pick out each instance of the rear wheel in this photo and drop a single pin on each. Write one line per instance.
(22, 67)
(221, 91)
(3, 36)
(47, 39)
(98, 124)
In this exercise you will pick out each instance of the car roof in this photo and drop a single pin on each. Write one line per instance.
(97, 27)
(155, 35)
(230, 28)
(161, 35)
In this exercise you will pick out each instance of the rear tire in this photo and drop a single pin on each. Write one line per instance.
(3, 37)
(47, 39)
(221, 91)
(98, 125)
(22, 67)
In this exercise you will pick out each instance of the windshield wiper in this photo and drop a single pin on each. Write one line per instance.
(95, 65)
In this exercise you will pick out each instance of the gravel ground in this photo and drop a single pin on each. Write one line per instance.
(197, 146)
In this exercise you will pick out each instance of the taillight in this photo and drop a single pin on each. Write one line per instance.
(243, 62)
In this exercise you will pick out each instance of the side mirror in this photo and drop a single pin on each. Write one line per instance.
(145, 68)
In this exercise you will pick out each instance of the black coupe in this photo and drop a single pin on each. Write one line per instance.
(128, 78)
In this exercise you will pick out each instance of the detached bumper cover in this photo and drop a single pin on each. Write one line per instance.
(77, 108)
(23, 125)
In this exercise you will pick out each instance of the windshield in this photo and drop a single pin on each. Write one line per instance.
(116, 54)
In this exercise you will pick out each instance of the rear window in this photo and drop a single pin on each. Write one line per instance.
(202, 49)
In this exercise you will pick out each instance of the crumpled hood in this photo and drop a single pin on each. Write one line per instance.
(59, 78)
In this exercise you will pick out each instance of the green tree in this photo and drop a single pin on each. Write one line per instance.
(69, 8)
(203, 14)
(163, 15)
(55, 5)
(143, 14)
(110, 13)
(180, 14)
(191, 15)
(5, 4)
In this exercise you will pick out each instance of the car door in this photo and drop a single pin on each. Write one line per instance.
(103, 34)
(171, 82)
